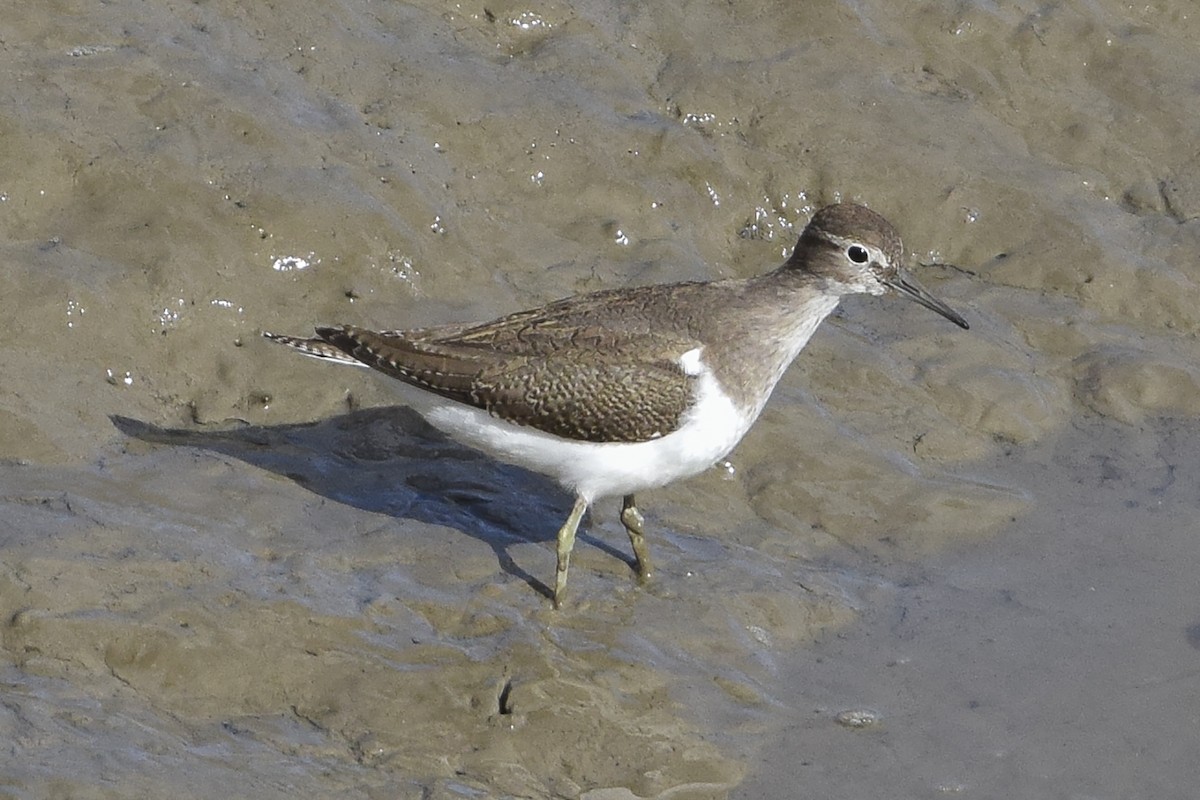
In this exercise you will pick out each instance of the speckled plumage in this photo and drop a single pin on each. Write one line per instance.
(630, 368)
(554, 371)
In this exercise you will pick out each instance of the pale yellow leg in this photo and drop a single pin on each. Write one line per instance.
(566, 541)
(633, 521)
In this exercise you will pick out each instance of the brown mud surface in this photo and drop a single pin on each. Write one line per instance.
(229, 571)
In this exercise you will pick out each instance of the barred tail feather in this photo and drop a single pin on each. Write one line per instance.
(314, 348)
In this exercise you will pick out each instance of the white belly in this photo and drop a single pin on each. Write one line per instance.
(712, 428)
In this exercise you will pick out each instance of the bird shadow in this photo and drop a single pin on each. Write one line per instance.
(390, 461)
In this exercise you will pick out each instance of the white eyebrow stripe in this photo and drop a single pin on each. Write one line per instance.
(843, 242)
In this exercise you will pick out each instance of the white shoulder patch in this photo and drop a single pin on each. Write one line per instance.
(691, 362)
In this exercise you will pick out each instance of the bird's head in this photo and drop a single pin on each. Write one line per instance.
(853, 250)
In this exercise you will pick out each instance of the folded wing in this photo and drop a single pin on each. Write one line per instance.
(616, 386)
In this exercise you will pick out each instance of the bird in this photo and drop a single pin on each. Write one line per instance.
(622, 390)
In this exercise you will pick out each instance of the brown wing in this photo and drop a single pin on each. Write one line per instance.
(609, 386)
(634, 319)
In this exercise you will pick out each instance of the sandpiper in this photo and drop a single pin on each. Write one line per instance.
(622, 390)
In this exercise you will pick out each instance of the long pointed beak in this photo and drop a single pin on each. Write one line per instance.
(907, 285)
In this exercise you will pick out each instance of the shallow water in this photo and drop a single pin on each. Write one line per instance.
(231, 571)
(1057, 661)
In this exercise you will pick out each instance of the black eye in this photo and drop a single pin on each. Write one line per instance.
(858, 254)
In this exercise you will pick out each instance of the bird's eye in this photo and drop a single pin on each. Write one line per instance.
(858, 254)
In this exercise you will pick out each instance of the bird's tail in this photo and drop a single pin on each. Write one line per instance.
(316, 348)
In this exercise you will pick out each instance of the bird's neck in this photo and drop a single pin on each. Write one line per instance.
(762, 334)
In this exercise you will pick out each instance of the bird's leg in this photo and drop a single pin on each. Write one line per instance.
(566, 541)
(633, 521)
